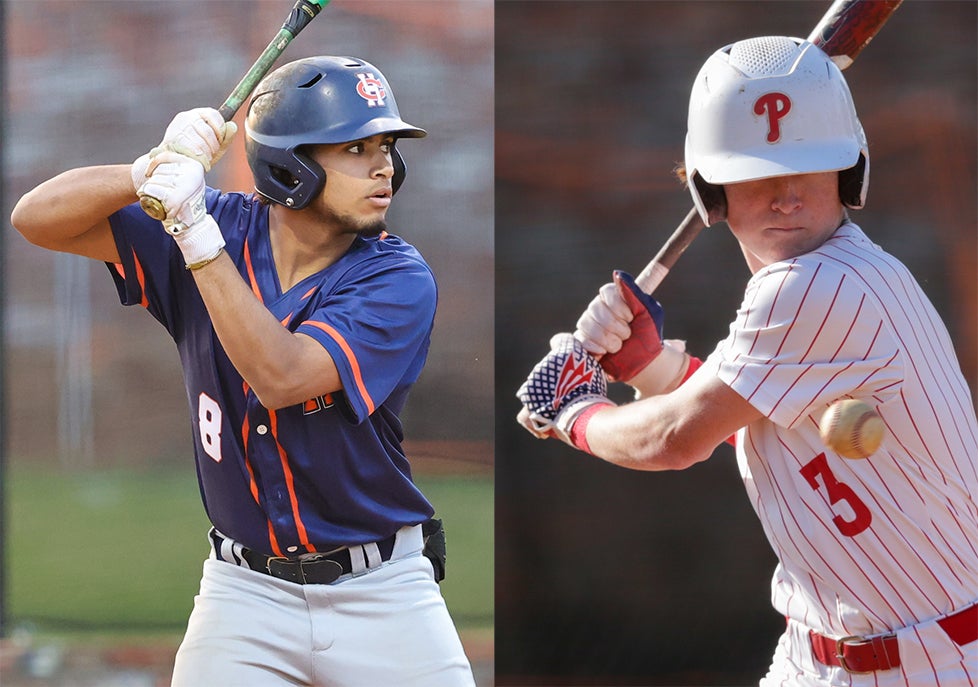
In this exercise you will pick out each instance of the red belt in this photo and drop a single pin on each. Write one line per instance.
(865, 655)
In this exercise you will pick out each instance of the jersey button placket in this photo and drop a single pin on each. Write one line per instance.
(276, 502)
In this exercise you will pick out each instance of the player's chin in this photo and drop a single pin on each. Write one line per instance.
(789, 244)
(371, 212)
(372, 228)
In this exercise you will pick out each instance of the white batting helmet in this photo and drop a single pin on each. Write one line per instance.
(767, 107)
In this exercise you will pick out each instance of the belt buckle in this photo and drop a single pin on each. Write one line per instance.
(840, 645)
(274, 559)
(325, 575)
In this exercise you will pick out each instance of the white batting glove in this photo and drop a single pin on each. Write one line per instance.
(200, 134)
(604, 325)
(138, 170)
(178, 183)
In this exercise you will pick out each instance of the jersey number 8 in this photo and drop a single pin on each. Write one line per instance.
(209, 418)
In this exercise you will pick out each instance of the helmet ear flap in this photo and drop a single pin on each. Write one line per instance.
(712, 198)
(853, 183)
(290, 178)
(400, 170)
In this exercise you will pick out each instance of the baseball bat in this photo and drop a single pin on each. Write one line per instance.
(303, 12)
(843, 31)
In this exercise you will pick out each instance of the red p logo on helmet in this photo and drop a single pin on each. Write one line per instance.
(775, 106)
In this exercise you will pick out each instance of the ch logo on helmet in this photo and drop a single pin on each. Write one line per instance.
(775, 106)
(371, 89)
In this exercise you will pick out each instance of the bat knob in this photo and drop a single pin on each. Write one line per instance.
(152, 207)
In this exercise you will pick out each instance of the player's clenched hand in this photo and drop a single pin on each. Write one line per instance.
(624, 325)
(138, 170)
(604, 326)
(178, 183)
(560, 388)
(200, 134)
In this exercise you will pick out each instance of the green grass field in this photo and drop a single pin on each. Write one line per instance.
(121, 550)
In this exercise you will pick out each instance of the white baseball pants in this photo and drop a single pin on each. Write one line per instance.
(387, 626)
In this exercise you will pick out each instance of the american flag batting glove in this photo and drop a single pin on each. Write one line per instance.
(561, 387)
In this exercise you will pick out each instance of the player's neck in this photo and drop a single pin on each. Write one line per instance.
(301, 248)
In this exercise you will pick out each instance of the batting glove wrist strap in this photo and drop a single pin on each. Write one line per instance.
(665, 373)
(200, 243)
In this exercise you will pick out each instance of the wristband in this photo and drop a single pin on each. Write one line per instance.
(578, 432)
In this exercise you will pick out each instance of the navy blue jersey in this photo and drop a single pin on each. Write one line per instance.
(326, 473)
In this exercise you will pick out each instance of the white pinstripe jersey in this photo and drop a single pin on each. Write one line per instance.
(865, 546)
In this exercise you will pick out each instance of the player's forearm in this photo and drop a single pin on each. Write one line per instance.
(70, 212)
(671, 431)
(646, 435)
(282, 368)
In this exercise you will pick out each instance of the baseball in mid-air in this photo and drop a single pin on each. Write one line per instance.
(851, 428)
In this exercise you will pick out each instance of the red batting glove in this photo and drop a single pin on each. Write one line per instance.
(645, 342)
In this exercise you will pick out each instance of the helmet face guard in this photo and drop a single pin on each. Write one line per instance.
(767, 107)
(317, 100)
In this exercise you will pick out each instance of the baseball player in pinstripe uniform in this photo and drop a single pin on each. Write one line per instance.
(301, 326)
(878, 558)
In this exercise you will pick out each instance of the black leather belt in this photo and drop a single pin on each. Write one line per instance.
(318, 568)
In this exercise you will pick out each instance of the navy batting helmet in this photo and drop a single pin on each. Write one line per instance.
(312, 101)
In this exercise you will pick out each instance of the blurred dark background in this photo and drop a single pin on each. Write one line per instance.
(612, 577)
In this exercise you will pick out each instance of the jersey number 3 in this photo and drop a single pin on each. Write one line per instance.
(838, 491)
(209, 418)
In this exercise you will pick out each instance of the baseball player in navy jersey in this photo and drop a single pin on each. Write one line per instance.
(878, 558)
(301, 326)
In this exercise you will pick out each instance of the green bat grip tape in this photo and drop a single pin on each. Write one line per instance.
(302, 13)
